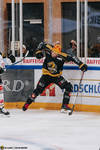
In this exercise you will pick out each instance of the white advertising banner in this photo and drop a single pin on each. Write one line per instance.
(89, 90)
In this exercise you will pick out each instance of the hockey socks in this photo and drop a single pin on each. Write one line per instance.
(28, 102)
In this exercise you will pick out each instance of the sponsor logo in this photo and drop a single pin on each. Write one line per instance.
(87, 88)
(15, 86)
(49, 91)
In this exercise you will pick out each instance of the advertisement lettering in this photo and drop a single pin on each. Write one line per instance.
(49, 91)
(87, 88)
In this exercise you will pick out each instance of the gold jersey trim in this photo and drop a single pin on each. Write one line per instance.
(39, 51)
(81, 65)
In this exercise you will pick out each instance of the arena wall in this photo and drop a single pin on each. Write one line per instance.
(18, 87)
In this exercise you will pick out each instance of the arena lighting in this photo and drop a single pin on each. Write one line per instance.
(34, 21)
(1, 27)
(86, 26)
(78, 28)
(13, 26)
(21, 27)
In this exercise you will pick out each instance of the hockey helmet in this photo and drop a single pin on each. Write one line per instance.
(57, 48)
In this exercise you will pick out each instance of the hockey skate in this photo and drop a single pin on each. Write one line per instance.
(65, 109)
(4, 111)
(28, 102)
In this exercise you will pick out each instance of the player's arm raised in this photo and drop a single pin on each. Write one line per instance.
(43, 49)
(76, 60)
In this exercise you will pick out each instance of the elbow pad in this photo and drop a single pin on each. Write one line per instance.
(39, 54)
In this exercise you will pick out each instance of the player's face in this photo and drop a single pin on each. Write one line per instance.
(53, 54)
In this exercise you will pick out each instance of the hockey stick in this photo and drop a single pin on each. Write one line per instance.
(70, 113)
(18, 61)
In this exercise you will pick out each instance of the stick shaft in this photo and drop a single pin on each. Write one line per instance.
(77, 93)
(18, 61)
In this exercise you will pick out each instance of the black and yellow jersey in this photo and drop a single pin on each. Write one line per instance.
(53, 66)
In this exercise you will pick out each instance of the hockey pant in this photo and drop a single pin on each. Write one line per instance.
(45, 80)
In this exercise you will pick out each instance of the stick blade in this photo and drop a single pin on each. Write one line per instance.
(70, 113)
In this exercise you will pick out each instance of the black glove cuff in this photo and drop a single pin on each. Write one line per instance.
(12, 58)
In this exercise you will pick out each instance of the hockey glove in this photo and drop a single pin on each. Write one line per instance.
(39, 54)
(12, 58)
(83, 67)
(1, 70)
(41, 46)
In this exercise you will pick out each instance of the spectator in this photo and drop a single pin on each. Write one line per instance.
(24, 51)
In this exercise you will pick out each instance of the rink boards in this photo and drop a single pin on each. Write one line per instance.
(87, 100)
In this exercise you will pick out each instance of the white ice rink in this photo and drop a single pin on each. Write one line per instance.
(50, 130)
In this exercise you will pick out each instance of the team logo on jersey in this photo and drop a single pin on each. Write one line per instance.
(52, 67)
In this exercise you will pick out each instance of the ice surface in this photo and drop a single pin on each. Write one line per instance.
(50, 130)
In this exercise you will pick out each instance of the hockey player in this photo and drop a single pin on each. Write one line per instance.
(52, 72)
(2, 65)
